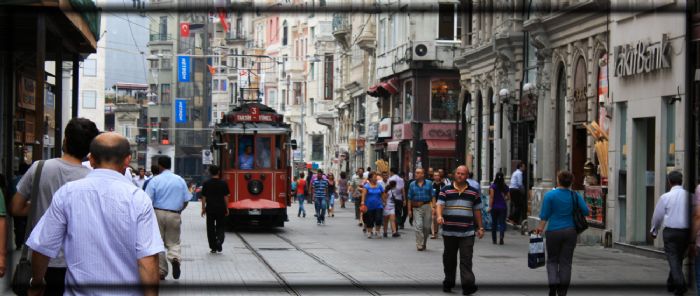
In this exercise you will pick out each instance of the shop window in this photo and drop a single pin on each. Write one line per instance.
(671, 135)
(623, 135)
(444, 95)
(317, 147)
(396, 109)
(89, 99)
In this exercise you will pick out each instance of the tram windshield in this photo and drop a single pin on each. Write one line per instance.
(251, 152)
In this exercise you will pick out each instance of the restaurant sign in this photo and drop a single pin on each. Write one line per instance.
(385, 128)
(401, 132)
(642, 57)
(439, 131)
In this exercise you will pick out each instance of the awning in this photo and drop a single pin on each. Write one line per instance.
(442, 145)
(393, 146)
(391, 86)
(378, 146)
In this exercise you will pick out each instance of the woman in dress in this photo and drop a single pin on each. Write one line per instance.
(389, 212)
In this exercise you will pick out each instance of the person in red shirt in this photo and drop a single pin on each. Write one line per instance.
(301, 184)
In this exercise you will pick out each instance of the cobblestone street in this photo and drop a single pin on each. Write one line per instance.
(337, 259)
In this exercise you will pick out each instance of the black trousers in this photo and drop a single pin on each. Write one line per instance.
(19, 229)
(675, 245)
(55, 281)
(216, 229)
(560, 254)
(518, 204)
(465, 247)
(399, 212)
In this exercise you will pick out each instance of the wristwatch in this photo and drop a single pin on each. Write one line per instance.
(36, 285)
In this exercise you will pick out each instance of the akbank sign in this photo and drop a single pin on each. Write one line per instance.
(642, 57)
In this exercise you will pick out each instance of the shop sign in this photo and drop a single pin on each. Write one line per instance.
(528, 107)
(642, 57)
(595, 200)
(580, 105)
(385, 128)
(439, 131)
(401, 132)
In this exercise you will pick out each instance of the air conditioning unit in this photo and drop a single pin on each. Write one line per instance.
(423, 51)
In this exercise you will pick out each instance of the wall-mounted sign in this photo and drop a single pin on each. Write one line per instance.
(183, 68)
(373, 131)
(180, 111)
(595, 199)
(385, 128)
(401, 131)
(642, 57)
(528, 107)
(243, 78)
(439, 131)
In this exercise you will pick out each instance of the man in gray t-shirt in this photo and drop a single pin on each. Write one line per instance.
(399, 193)
(56, 172)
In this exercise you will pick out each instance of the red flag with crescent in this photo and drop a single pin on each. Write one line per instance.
(185, 29)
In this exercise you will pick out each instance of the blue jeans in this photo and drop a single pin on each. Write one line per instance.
(321, 206)
(300, 198)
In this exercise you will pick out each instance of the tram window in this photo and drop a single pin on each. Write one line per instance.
(278, 151)
(245, 152)
(231, 151)
(262, 155)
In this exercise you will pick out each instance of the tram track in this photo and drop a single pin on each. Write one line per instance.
(288, 287)
(280, 279)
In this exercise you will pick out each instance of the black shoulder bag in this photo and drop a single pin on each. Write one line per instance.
(580, 222)
(23, 270)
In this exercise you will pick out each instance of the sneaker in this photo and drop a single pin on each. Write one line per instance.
(500, 243)
(318, 222)
(469, 290)
(212, 251)
(395, 234)
(299, 215)
(176, 269)
(304, 215)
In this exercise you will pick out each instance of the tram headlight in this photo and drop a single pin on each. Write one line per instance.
(255, 187)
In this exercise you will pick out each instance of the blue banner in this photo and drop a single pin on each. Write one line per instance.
(180, 111)
(183, 68)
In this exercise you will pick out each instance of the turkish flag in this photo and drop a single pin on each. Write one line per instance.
(185, 29)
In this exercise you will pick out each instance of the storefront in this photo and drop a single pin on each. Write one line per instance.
(439, 140)
(399, 147)
(647, 132)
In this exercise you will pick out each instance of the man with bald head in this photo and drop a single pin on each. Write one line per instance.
(459, 213)
(103, 219)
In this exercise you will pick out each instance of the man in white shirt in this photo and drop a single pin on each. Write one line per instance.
(517, 195)
(141, 178)
(107, 226)
(671, 212)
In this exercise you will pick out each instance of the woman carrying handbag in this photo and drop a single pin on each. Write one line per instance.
(560, 208)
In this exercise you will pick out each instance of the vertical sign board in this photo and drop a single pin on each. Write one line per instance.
(183, 68)
(180, 111)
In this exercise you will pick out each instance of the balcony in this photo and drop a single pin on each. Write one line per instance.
(342, 30)
(160, 37)
(235, 36)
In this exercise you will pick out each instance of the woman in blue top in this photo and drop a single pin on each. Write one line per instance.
(498, 194)
(373, 198)
(557, 215)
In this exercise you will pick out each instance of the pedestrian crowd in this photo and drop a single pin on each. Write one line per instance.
(88, 206)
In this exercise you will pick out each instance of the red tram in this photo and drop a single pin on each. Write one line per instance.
(252, 148)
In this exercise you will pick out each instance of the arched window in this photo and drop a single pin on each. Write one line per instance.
(560, 121)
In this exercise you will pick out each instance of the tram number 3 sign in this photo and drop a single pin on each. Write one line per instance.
(255, 115)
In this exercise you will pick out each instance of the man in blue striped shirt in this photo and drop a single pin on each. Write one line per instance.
(420, 196)
(320, 189)
(459, 213)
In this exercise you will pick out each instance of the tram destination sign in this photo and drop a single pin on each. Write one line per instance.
(253, 115)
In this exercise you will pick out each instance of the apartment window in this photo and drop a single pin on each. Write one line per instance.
(285, 33)
(272, 97)
(284, 67)
(297, 93)
(317, 147)
(219, 85)
(361, 105)
(165, 60)
(448, 24)
(382, 36)
(313, 32)
(444, 95)
(127, 131)
(89, 99)
(154, 63)
(90, 67)
(408, 100)
(328, 77)
(531, 61)
(394, 30)
(165, 93)
(312, 71)
(163, 26)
